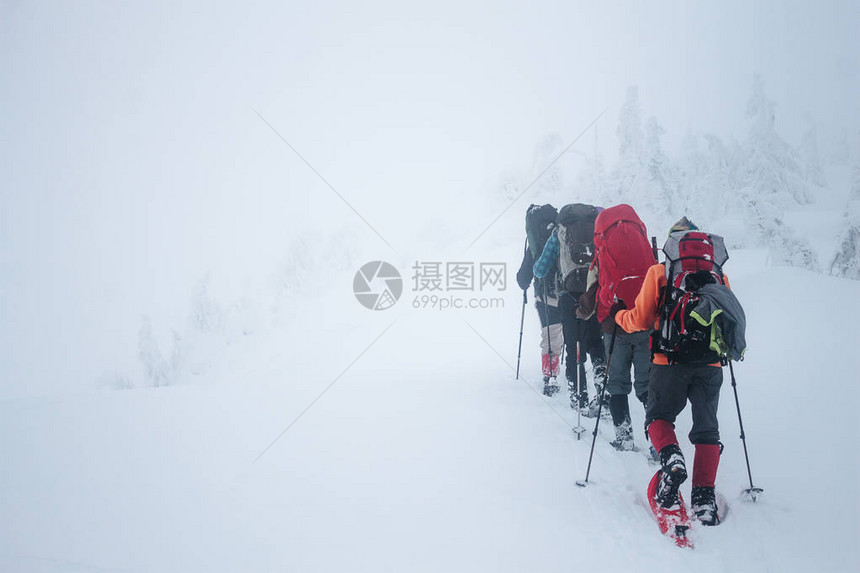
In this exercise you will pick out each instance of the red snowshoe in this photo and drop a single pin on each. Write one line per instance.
(673, 521)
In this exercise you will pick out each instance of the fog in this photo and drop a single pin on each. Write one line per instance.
(135, 160)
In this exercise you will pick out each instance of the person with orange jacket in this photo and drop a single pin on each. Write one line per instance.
(669, 388)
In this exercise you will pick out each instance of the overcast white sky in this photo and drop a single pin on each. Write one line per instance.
(133, 160)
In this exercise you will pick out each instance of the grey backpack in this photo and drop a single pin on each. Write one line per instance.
(575, 231)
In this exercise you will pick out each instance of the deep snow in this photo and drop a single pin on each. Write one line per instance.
(427, 455)
(136, 171)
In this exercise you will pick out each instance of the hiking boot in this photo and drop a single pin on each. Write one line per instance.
(594, 407)
(549, 386)
(571, 385)
(579, 401)
(672, 475)
(623, 441)
(703, 502)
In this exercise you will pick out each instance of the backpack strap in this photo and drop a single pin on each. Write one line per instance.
(662, 311)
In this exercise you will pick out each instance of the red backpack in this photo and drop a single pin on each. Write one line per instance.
(623, 256)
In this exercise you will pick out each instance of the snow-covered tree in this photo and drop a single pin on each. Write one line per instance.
(691, 168)
(842, 149)
(711, 190)
(206, 314)
(846, 263)
(550, 183)
(811, 159)
(157, 370)
(765, 220)
(511, 188)
(770, 181)
(628, 172)
(743, 187)
(693, 164)
(629, 130)
(661, 184)
(591, 181)
(644, 176)
(772, 165)
(114, 380)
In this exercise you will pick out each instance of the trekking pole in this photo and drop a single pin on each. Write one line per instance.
(583, 483)
(753, 492)
(580, 356)
(522, 321)
(580, 377)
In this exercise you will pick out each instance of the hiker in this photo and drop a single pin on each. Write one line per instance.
(570, 250)
(621, 260)
(687, 358)
(540, 223)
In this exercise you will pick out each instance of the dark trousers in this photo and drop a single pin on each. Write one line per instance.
(586, 332)
(631, 350)
(547, 311)
(670, 387)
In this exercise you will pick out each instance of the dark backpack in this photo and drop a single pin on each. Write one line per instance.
(623, 257)
(540, 220)
(693, 260)
(575, 231)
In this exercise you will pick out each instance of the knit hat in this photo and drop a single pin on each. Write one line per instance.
(684, 224)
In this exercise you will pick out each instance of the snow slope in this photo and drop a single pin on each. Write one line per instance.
(427, 454)
(256, 156)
